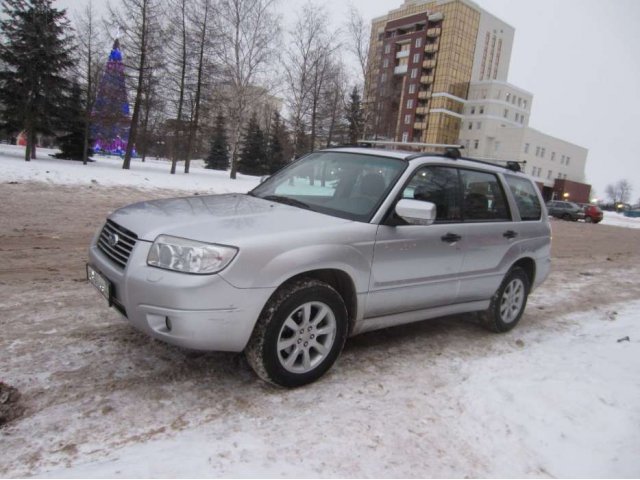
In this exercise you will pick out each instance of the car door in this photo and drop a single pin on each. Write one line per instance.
(491, 235)
(417, 266)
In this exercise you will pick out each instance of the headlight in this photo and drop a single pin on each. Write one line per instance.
(189, 256)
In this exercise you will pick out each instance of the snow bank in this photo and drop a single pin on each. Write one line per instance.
(619, 220)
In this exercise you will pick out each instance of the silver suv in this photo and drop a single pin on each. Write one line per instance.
(341, 242)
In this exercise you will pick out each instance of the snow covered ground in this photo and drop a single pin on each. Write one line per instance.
(107, 171)
(557, 397)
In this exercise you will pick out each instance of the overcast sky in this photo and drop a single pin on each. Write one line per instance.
(580, 59)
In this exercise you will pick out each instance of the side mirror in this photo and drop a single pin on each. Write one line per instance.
(264, 178)
(416, 212)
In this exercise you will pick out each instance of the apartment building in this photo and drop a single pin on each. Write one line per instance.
(422, 58)
(438, 74)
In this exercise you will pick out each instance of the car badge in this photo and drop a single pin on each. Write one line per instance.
(113, 239)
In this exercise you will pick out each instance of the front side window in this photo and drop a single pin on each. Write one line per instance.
(526, 198)
(342, 184)
(440, 186)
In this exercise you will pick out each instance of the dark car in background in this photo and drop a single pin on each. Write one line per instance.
(592, 213)
(565, 210)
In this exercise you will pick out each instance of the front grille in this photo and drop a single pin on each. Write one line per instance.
(116, 243)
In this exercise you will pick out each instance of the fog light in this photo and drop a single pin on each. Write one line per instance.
(167, 322)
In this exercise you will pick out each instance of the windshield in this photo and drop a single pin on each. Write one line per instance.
(342, 184)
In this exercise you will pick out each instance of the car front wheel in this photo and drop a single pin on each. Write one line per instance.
(299, 334)
(508, 303)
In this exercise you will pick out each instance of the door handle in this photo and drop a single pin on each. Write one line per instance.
(450, 238)
(510, 234)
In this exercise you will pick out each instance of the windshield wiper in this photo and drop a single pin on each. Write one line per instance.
(287, 201)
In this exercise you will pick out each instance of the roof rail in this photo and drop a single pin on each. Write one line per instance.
(370, 143)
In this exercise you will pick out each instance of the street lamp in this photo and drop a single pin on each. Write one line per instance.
(565, 195)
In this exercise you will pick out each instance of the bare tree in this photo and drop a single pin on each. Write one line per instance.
(307, 63)
(202, 14)
(140, 24)
(358, 43)
(91, 46)
(249, 30)
(619, 192)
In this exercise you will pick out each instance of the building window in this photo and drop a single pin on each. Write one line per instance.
(478, 125)
(562, 160)
(405, 137)
(497, 145)
(567, 161)
(410, 103)
(476, 144)
(542, 151)
(524, 104)
(506, 113)
(383, 77)
(418, 42)
(517, 116)
(414, 73)
(521, 118)
(416, 57)
(385, 63)
(407, 119)
(412, 88)
(553, 156)
(473, 110)
(508, 96)
(549, 175)
(519, 102)
(470, 125)
(526, 148)
(481, 110)
(537, 151)
(387, 48)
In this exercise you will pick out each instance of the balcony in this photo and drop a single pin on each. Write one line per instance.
(424, 95)
(400, 69)
(429, 63)
(431, 47)
(403, 54)
(426, 79)
(420, 125)
(422, 110)
(433, 32)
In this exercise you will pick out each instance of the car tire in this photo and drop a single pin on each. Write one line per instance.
(299, 335)
(508, 303)
(566, 216)
(588, 219)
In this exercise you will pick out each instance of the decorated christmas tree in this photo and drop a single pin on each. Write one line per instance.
(110, 119)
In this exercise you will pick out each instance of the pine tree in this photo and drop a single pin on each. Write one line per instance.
(218, 158)
(354, 116)
(253, 158)
(72, 142)
(276, 146)
(35, 55)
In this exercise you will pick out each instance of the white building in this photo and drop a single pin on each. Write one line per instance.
(495, 126)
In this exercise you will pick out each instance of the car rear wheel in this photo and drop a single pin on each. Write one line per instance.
(566, 216)
(508, 303)
(588, 219)
(299, 334)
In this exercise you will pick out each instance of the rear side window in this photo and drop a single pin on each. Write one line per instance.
(526, 198)
(483, 197)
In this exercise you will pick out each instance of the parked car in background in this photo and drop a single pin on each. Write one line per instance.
(592, 213)
(565, 210)
(341, 242)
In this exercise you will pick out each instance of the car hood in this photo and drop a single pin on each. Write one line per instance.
(231, 219)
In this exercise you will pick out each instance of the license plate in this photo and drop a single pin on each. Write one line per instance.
(100, 282)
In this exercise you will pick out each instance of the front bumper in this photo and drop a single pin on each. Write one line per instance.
(201, 312)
